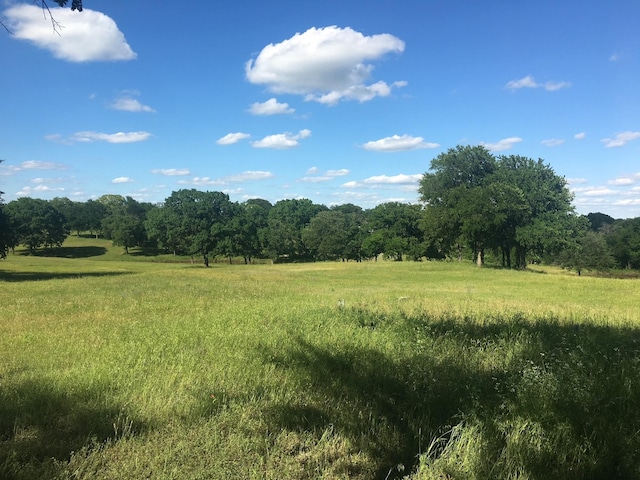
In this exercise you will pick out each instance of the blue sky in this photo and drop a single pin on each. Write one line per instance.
(337, 102)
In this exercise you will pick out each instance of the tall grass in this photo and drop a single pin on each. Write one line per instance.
(112, 367)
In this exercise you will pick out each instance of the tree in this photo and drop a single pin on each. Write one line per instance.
(327, 235)
(192, 220)
(287, 219)
(398, 225)
(450, 185)
(5, 232)
(511, 204)
(624, 240)
(242, 237)
(36, 223)
(591, 252)
(124, 224)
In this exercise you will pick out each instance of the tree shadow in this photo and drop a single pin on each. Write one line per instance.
(68, 252)
(41, 426)
(37, 276)
(579, 384)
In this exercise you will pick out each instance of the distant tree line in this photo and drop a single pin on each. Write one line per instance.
(511, 209)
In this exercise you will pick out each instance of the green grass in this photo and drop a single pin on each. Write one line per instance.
(116, 367)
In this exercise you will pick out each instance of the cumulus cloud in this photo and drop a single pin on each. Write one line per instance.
(281, 141)
(85, 37)
(325, 65)
(122, 180)
(386, 180)
(313, 175)
(580, 136)
(231, 138)
(26, 191)
(552, 142)
(501, 145)
(622, 181)
(270, 107)
(38, 165)
(397, 143)
(530, 82)
(119, 137)
(620, 139)
(127, 103)
(171, 172)
(250, 175)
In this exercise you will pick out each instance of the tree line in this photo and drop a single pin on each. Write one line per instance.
(510, 209)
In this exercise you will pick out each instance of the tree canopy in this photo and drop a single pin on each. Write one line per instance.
(510, 203)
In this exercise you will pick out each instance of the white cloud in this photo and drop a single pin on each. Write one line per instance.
(231, 138)
(337, 173)
(576, 181)
(401, 180)
(628, 202)
(119, 137)
(398, 143)
(126, 103)
(501, 145)
(580, 136)
(270, 107)
(281, 140)
(122, 180)
(530, 82)
(38, 165)
(84, 37)
(314, 177)
(620, 139)
(595, 191)
(325, 65)
(250, 175)
(552, 142)
(622, 181)
(26, 191)
(171, 172)
(201, 181)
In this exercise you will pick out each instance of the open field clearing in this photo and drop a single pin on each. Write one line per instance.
(115, 367)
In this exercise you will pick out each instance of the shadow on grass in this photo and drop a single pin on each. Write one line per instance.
(41, 427)
(68, 252)
(537, 399)
(37, 276)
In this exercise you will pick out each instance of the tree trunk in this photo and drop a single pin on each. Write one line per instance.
(480, 258)
(206, 260)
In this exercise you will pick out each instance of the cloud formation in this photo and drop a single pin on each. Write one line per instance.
(171, 172)
(122, 180)
(88, 137)
(127, 103)
(231, 138)
(397, 143)
(552, 142)
(620, 139)
(313, 175)
(530, 82)
(386, 180)
(250, 175)
(89, 36)
(282, 141)
(325, 65)
(270, 107)
(501, 145)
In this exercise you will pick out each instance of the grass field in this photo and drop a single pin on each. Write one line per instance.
(115, 366)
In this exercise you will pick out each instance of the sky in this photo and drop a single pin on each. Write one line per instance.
(336, 102)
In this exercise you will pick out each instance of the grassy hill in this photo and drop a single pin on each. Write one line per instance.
(137, 366)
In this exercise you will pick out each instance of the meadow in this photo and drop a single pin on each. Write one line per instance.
(138, 366)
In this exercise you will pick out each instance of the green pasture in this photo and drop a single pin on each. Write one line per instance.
(149, 366)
